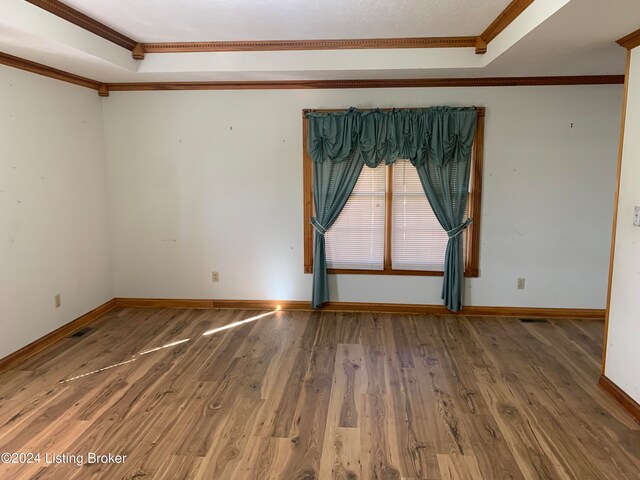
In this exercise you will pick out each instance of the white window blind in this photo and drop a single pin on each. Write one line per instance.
(418, 241)
(356, 239)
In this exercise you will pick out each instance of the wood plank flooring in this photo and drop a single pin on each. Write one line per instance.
(298, 395)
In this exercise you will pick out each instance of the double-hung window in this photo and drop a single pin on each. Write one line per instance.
(387, 226)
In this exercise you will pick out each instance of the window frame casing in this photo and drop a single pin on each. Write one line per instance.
(472, 233)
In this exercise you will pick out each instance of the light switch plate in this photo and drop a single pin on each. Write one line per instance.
(636, 216)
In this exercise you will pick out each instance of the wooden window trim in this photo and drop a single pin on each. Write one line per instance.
(472, 233)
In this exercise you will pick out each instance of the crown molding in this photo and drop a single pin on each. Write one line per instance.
(398, 83)
(481, 46)
(103, 89)
(40, 69)
(508, 15)
(328, 44)
(630, 41)
(84, 21)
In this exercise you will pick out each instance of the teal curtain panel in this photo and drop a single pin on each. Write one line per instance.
(333, 183)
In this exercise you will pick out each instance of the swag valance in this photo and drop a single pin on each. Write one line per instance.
(438, 141)
(443, 134)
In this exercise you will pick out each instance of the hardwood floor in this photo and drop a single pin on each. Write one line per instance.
(298, 395)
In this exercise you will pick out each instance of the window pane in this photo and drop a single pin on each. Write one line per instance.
(418, 240)
(356, 239)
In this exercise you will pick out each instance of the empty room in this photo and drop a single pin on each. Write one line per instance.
(305, 239)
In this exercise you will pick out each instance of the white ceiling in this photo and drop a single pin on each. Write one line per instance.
(578, 40)
(152, 21)
(552, 37)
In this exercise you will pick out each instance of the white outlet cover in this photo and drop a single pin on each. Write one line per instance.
(636, 216)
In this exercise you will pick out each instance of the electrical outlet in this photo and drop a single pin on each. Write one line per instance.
(520, 284)
(58, 300)
(215, 277)
(636, 216)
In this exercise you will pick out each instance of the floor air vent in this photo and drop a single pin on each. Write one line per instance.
(533, 320)
(80, 333)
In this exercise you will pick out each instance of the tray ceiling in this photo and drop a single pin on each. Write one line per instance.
(549, 38)
(151, 21)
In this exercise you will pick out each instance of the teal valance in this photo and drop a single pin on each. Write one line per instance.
(442, 134)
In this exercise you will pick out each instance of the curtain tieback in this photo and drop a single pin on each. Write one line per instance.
(454, 232)
(319, 228)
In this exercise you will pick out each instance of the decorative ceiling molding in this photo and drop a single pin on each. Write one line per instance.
(40, 69)
(630, 41)
(481, 46)
(400, 83)
(84, 21)
(508, 15)
(515, 8)
(340, 44)
(103, 89)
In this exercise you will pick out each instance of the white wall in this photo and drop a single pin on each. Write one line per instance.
(53, 208)
(212, 180)
(623, 341)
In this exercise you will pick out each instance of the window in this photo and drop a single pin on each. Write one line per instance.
(418, 242)
(356, 239)
(388, 226)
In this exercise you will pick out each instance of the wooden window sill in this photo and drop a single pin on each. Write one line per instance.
(468, 273)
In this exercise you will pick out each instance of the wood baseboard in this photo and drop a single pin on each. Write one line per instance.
(40, 344)
(528, 312)
(55, 336)
(535, 312)
(628, 403)
(162, 303)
